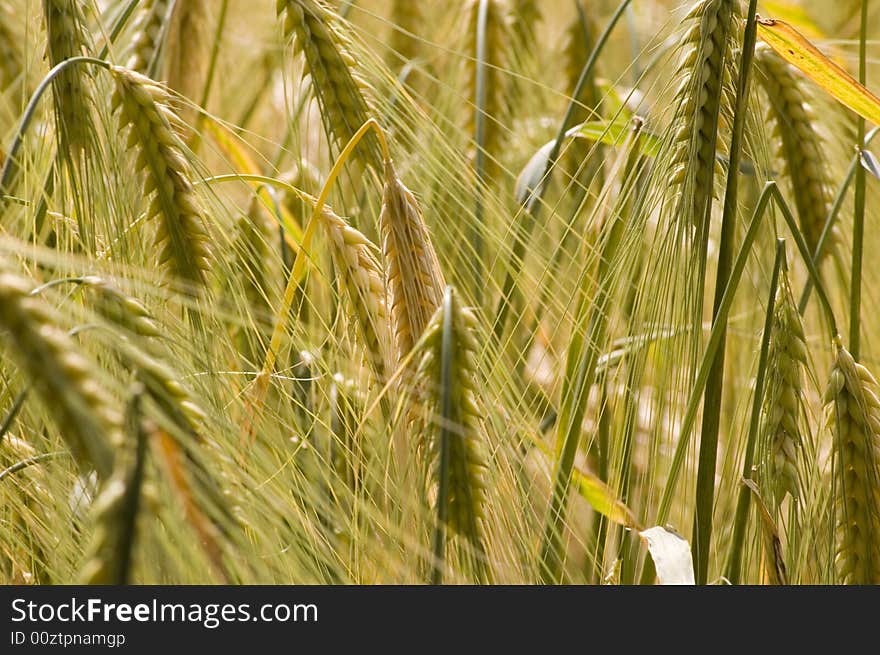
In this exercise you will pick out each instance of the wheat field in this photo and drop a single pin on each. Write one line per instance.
(436, 291)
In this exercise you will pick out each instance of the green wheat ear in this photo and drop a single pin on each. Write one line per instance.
(786, 360)
(452, 412)
(68, 37)
(854, 421)
(706, 49)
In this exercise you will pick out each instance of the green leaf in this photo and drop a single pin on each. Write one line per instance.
(530, 179)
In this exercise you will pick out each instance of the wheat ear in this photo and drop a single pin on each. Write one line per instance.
(116, 511)
(786, 360)
(187, 51)
(496, 108)
(338, 89)
(460, 419)
(705, 49)
(362, 279)
(182, 236)
(67, 37)
(148, 35)
(120, 308)
(797, 142)
(854, 421)
(414, 277)
(408, 20)
(526, 16)
(66, 379)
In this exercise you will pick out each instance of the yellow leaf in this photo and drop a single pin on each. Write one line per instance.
(598, 494)
(603, 499)
(794, 15)
(798, 51)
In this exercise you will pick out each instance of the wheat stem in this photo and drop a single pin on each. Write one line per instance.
(734, 562)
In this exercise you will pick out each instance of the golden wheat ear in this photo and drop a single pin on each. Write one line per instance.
(363, 284)
(145, 109)
(407, 21)
(67, 380)
(854, 421)
(338, 89)
(148, 35)
(414, 277)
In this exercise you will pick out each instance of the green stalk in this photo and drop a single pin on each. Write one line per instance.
(446, 420)
(31, 461)
(118, 25)
(17, 404)
(832, 216)
(587, 340)
(603, 443)
(480, 139)
(855, 306)
(705, 494)
(734, 564)
(770, 192)
(215, 50)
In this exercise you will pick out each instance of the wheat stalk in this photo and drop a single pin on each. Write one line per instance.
(414, 277)
(338, 89)
(786, 359)
(84, 410)
(188, 50)
(854, 420)
(362, 280)
(182, 235)
(797, 142)
(67, 37)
